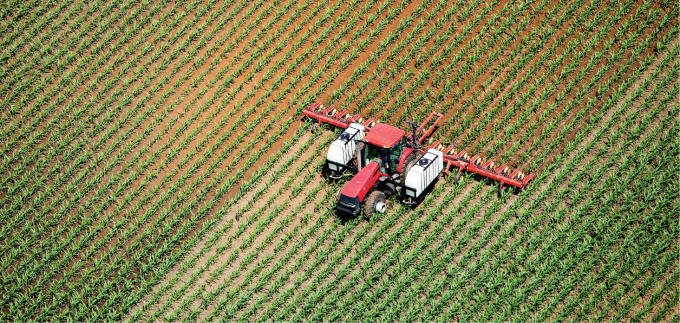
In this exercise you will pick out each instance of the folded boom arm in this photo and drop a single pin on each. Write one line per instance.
(452, 159)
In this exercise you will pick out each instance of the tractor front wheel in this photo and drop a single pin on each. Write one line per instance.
(374, 203)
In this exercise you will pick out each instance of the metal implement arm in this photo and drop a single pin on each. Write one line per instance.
(432, 120)
(452, 159)
(487, 169)
(330, 115)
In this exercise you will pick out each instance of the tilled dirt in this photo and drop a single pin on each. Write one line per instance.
(171, 152)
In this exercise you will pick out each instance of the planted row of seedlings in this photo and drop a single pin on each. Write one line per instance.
(528, 230)
(355, 277)
(299, 111)
(137, 188)
(71, 146)
(139, 120)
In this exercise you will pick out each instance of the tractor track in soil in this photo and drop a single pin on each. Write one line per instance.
(230, 234)
(512, 220)
(578, 167)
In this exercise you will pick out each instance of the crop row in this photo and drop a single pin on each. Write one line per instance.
(554, 184)
(325, 84)
(102, 157)
(102, 204)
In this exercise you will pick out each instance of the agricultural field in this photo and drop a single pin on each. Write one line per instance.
(156, 165)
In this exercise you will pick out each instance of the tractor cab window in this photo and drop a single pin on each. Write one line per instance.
(378, 155)
(387, 158)
(395, 153)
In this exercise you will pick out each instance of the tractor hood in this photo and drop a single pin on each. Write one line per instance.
(361, 182)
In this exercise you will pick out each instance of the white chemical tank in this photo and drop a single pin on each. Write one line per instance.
(424, 172)
(343, 148)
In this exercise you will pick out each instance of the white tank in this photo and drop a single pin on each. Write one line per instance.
(343, 148)
(424, 172)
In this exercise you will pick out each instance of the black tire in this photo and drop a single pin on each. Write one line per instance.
(458, 177)
(371, 201)
(326, 173)
(315, 127)
(408, 163)
(502, 191)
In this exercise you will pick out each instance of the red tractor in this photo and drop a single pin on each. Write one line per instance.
(395, 161)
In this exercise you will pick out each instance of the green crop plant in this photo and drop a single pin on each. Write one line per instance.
(156, 163)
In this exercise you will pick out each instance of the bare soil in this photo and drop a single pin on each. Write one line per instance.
(172, 152)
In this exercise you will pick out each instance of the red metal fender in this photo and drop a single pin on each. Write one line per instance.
(404, 155)
(433, 124)
(323, 116)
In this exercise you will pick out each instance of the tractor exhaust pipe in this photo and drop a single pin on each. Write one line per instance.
(357, 142)
(414, 128)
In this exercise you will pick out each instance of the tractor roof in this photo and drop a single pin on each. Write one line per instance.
(384, 135)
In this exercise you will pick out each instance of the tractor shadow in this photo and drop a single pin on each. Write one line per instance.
(507, 189)
(337, 184)
(345, 219)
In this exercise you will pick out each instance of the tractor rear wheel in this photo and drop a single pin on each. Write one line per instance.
(408, 163)
(374, 203)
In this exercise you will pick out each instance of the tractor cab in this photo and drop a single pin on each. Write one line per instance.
(385, 145)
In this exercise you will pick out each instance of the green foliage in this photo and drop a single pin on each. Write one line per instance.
(152, 170)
